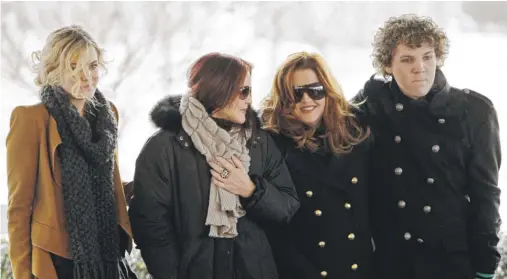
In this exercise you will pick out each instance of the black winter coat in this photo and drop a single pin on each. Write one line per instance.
(329, 237)
(171, 192)
(435, 200)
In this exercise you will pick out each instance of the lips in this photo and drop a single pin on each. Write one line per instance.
(307, 108)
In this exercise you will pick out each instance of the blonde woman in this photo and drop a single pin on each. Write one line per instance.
(326, 150)
(67, 211)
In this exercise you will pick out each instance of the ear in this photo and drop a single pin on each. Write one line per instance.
(388, 70)
(440, 63)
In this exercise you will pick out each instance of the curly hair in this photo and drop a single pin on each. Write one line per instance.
(342, 129)
(411, 30)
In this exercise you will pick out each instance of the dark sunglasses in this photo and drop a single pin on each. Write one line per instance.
(314, 91)
(244, 92)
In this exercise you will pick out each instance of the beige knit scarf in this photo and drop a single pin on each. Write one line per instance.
(210, 140)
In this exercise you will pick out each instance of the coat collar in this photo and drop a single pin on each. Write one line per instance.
(441, 101)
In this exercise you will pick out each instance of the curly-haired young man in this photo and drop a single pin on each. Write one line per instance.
(435, 163)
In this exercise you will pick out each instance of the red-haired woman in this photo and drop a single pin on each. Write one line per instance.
(209, 179)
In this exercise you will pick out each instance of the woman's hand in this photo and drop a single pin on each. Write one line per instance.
(231, 177)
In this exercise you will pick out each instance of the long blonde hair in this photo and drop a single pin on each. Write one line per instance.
(52, 64)
(342, 129)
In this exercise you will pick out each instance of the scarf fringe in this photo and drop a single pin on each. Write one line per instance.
(96, 270)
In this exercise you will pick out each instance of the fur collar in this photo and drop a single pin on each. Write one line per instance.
(166, 115)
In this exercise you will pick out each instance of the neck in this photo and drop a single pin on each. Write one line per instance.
(414, 97)
(79, 104)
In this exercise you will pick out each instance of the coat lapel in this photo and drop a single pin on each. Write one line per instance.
(54, 140)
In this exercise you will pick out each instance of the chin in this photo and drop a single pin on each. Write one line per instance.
(89, 93)
(240, 121)
(309, 122)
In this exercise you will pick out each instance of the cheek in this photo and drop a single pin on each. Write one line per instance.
(95, 74)
(322, 106)
(432, 65)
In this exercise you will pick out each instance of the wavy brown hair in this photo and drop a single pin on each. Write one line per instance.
(342, 129)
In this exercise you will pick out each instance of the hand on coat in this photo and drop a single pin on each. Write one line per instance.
(238, 182)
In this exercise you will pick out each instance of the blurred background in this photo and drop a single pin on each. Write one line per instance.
(151, 44)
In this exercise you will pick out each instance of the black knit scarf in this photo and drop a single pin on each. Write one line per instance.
(87, 161)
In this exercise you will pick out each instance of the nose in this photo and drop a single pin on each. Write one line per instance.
(85, 76)
(419, 66)
(249, 99)
(306, 97)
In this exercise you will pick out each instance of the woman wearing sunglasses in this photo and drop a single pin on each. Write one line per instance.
(326, 151)
(208, 179)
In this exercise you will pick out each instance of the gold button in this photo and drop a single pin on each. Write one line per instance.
(427, 209)
(399, 107)
(309, 194)
(397, 139)
(354, 180)
(441, 121)
(322, 244)
(354, 266)
(347, 205)
(351, 236)
(323, 274)
(318, 212)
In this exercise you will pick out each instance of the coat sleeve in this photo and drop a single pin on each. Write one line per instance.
(150, 209)
(275, 196)
(22, 167)
(484, 217)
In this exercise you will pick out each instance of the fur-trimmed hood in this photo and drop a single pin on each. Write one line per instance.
(166, 114)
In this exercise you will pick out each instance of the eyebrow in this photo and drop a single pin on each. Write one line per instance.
(74, 63)
(410, 56)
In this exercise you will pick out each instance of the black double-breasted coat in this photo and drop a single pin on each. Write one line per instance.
(435, 162)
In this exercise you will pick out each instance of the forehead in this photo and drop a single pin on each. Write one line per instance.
(248, 79)
(304, 77)
(85, 56)
(403, 49)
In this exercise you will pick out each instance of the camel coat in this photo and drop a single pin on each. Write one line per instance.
(36, 221)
